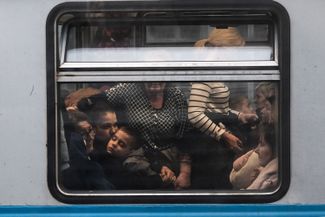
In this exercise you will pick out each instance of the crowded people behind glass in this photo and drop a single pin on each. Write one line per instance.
(159, 113)
(115, 160)
(146, 136)
(258, 168)
(93, 143)
(209, 112)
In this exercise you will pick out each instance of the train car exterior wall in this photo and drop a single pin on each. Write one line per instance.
(23, 159)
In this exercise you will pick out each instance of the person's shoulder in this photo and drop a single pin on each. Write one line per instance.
(208, 86)
(272, 165)
(122, 89)
(136, 152)
(216, 85)
(176, 92)
(121, 85)
(270, 168)
(76, 138)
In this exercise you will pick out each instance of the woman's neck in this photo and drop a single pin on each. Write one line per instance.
(156, 101)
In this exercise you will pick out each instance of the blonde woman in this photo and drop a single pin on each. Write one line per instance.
(209, 109)
(209, 112)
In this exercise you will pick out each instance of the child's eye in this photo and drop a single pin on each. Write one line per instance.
(114, 138)
(106, 126)
(122, 144)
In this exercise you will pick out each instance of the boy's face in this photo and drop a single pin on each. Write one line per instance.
(120, 144)
(107, 124)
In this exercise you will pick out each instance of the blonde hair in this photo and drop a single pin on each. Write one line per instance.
(267, 89)
(200, 43)
(222, 38)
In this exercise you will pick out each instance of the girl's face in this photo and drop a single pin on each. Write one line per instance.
(266, 113)
(259, 99)
(264, 152)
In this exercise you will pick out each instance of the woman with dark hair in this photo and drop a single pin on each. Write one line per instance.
(268, 173)
(258, 168)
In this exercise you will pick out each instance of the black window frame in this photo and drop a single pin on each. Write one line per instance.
(281, 18)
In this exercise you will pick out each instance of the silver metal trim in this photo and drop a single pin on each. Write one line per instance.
(173, 75)
(63, 43)
(210, 192)
(276, 45)
(134, 65)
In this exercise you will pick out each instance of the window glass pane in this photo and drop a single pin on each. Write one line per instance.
(168, 136)
(134, 37)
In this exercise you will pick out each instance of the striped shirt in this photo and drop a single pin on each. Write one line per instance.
(209, 97)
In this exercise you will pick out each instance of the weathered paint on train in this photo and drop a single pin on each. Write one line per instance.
(23, 156)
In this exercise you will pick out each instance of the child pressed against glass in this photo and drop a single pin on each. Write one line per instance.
(258, 168)
(126, 166)
(249, 171)
(245, 167)
(245, 170)
(268, 172)
(121, 144)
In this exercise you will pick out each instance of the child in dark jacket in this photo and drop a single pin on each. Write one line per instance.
(125, 165)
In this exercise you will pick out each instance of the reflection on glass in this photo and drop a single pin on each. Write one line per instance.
(130, 37)
(169, 136)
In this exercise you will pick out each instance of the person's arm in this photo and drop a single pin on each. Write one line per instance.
(114, 97)
(245, 170)
(234, 117)
(183, 124)
(248, 118)
(72, 100)
(183, 180)
(233, 142)
(241, 161)
(231, 118)
(199, 96)
(87, 103)
(270, 182)
(262, 180)
(200, 93)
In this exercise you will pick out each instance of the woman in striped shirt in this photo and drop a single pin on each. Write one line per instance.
(209, 101)
(209, 112)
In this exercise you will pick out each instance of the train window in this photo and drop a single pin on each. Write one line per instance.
(163, 102)
(115, 43)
